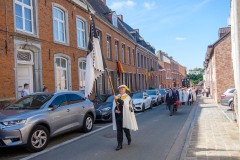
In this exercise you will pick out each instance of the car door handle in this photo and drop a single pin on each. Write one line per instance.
(68, 110)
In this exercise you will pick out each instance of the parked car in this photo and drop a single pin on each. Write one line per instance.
(141, 101)
(227, 97)
(104, 109)
(155, 95)
(163, 94)
(231, 103)
(34, 119)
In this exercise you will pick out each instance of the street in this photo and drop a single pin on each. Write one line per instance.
(154, 140)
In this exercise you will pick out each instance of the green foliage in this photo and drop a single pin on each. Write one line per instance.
(199, 69)
(195, 78)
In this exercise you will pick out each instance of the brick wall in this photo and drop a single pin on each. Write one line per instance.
(224, 67)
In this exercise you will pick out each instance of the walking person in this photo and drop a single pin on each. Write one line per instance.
(25, 90)
(171, 99)
(123, 116)
(190, 97)
(185, 96)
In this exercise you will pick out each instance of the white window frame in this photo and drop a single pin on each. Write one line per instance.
(115, 20)
(80, 74)
(33, 19)
(68, 71)
(108, 47)
(65, 20)
(82, 31)
(123, 53)
(116, 49)
(128, 56)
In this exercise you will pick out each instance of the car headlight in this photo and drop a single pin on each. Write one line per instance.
(14, 122)
(138, 103)
(106, 109)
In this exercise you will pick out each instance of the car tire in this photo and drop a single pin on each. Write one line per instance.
(231, 105)
(143, 107)
(151, 105)
(38, 134)
(87, 123)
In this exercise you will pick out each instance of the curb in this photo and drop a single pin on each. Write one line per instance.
(189, 134)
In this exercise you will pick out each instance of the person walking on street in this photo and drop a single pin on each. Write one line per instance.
(123, 116)
(190, 97)
(25, 90)
(171, 99)
(185, 96)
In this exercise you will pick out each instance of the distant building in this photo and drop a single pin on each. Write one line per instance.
(171, 72)
(218, 65)
(194, 72)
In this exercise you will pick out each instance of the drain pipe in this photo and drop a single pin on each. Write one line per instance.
(6, 17)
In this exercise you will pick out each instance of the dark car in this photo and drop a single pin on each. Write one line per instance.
(104, 110)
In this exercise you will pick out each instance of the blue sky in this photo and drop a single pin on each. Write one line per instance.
(181, 28)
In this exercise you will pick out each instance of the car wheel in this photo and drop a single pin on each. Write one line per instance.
(151, 105)
(38, 139)
(143, 107)
(231, 105)
(87, 123)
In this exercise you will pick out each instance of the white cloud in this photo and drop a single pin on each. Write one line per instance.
(149, 5)
(181, 38)
(120, 4)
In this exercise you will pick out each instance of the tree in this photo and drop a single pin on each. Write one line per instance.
(196, 78)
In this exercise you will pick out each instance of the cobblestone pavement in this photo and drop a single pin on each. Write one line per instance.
(213, 136)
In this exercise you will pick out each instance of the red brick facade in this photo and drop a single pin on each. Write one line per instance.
(219, 68)
(45, 50)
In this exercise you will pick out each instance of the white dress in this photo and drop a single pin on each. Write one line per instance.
(185, 96)
(129, 119)
(194, 95)
(180, 95)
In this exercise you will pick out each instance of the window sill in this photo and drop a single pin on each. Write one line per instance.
(62, 43)
(27, 33)
(83, 49)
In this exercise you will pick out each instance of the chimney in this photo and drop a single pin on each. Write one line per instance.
(104, 1)
(120, 17)
(223, 31)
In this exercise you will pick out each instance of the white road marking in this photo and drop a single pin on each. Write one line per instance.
(69, 141)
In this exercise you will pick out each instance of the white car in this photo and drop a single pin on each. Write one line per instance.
(141, 101)
(155, 96)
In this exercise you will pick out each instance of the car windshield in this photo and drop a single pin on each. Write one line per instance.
(109, 99)
(162, 91)
(137, 96)
(30, 102)
(153, 92)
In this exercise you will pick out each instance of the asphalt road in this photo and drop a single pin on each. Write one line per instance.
(154, 140)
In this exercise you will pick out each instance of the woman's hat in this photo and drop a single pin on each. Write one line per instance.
(124, 86)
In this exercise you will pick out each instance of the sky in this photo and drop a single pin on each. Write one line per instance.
(181, 28)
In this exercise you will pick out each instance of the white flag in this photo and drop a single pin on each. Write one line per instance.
(94, 62)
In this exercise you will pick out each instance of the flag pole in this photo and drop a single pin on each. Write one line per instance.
(105, 66)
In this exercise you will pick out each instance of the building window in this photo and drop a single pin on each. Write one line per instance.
(82, 73)
(81, 33)
(123, 53)
(116, 49)
(138, 60)
(133, 57)
(108, 47)
(61, 73)
(142, 61)
(59, 24)
(99, 34)
(128, 55)
(24, 15)
(114, 20)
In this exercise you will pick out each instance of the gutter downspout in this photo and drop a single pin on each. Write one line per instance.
(6, 18)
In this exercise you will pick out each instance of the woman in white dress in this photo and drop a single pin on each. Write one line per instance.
(185, 96)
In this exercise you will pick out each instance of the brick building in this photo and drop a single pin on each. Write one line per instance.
(44, 43)
(171, 72)
(218, 65)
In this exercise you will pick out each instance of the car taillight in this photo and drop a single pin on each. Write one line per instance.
(223, 95)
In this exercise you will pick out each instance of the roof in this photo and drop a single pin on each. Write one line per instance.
(211, 47)
(138, 38)
(103, 11)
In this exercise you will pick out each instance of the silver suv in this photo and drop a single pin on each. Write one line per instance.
(33, 119)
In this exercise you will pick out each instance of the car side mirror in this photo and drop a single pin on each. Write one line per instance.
(52, 107)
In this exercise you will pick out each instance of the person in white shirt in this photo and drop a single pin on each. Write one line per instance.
(25, 90)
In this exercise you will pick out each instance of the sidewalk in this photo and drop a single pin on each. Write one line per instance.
(212, 136)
